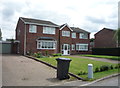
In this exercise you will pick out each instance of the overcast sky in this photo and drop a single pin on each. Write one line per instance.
(90, 15)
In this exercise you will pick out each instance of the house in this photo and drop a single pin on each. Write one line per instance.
(45, 36)
(105, 38)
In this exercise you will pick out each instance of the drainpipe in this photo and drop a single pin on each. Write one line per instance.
(25, 41)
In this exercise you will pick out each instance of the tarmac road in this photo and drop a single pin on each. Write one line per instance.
(114, 81)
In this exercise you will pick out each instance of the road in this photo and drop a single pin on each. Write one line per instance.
(114, 81)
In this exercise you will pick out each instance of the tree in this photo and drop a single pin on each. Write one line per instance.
(117, 36)
(0, 34)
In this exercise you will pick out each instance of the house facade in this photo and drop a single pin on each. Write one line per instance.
(44, 36)
(105, 38)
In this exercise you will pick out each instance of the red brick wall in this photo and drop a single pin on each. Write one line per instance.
(20, 37)
(78, 40)
(105, 39)
(31, 43)
(70, 40)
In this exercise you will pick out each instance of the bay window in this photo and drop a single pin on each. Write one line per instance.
(42, 44)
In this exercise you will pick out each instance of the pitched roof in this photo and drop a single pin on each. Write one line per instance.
(112, 30)
(38, 22)
(78, 30)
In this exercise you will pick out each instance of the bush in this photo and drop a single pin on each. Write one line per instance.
(97, 69)
(57, 54)
(82, 73)
(111, 67)
(104, 68)
(38, 55)
(117, 66)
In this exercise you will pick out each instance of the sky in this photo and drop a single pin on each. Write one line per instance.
(90, 15)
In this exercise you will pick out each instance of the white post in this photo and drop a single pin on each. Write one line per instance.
(90, 71)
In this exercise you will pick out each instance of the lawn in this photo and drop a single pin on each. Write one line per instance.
(103, 56)
(80, 64)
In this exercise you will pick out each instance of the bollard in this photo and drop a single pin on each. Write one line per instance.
(90, 71)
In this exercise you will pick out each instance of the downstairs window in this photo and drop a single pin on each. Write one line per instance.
(41, 44)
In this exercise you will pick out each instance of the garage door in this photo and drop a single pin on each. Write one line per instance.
(6, 48)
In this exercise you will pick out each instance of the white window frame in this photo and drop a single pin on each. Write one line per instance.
(66, 33)
(82, 47)
(73, 46)
(48, 30)
(32, 29)
(43, 44)
(73, 35)
(83, 35)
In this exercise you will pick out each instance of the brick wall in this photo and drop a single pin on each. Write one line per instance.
(105, 39)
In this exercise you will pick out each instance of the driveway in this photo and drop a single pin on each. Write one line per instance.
(22, 71)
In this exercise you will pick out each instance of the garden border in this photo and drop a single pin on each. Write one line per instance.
(79, 78)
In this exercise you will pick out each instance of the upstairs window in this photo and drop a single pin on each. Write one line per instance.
(32, 29)
(73, 35)
(48, 30)
(66, 33)
(83, 36)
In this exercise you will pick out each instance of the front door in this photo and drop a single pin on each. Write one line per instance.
(66, 49)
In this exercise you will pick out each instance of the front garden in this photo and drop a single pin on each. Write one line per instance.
(79, 66)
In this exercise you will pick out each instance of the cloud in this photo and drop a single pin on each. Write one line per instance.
(95, 20)
(90, 15)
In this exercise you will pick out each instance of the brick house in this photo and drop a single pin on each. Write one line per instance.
(105, 38)
(41, 36)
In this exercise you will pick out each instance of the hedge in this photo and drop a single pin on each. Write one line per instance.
(106, 51)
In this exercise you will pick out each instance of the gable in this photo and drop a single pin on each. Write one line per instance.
(64, 26)
(104, 31)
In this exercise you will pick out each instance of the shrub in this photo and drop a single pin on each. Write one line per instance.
(57, 54)
(38, 55)
(117, 66)
(104, 68)
(111, 67)
(97, 69)
(82, 73)
(46, 53)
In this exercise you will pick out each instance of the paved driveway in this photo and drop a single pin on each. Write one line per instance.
(22, 71)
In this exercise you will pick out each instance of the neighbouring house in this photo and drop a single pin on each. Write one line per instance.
(45, 36)
(105, 38)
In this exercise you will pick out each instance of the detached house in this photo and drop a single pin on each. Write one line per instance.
(41, 36)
